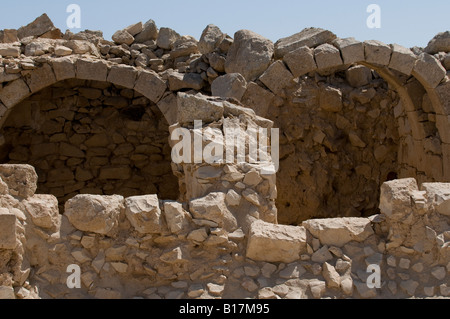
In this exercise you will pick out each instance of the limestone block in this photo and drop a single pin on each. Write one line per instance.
(150, 85)
(377, 52)
(213, 208)
(198, 107)
(166, 38)
(176, 217)
(41, 78)
(339, 231)
(92, 70)
(184, 47)
(135, 28)
(36, 28)
(327, 56)
(210, 39)
(21, 179)
(358, 76)
(440, 43)
(232, 85)
(250, 55)
(438, 196)
(14, 92)
(330, 99)
(276, 77)
(149, 32)
(429, 71)
(7, 292)
(300, 61)
(144, 214)
(94, 213)
(123, 75)
(7, 229)
(310, 37)
(258, 99)
(43, 210)
(179, 81)
(395, 198)
(9, 50)
(402, 59)
(275, 243)
(352, 50)
(122, 37)
(64, 68)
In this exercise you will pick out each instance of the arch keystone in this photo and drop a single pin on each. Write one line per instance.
(377, 52)
(352, 50)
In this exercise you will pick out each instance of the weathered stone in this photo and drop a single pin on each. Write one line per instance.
(276, 77)
(355, 140)
(179, 81)
(94, 213)
(14, 92)
(292, 271)
(64, 68)
(92, 70)
(123, 37)
(41, 78)
(210, 39)
(300, 61)
(310, 37)
(377, 52)
(7, 229)
(198, 108)
(352, 51)
(327, 56)
(438, 195)
(409, 287)
(184, 47)
(330, 99)
(122, 75)
(63, 51)
(250, 55)
(8, 36)
(166, 38)
(198, 235)
(402, 59)
(21, 179)
(331, 276)
(149, 32)
(347, 285)
(7, 292)
(231, 85)
(36, 28)
(9, 50)
(275, 243)
(322, 255)
(339, 231)
(358, 76)
(429, 71)
(43, 210)
(150, 85)
(176, 217)
(134, 28)
(439, 273)
(318, 288)
(395, 199)
(212, 207)
(440, 43)
(144, 214)
(232, 198)
(169, 108)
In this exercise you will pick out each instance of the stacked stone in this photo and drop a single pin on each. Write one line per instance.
(92, 138)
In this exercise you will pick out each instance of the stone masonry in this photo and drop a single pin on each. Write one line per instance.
(89, 177)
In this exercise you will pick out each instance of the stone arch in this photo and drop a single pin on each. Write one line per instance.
(388, 61)
(49, 76)
(147, 83)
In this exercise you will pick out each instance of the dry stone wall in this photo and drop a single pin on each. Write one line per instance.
(362, 124)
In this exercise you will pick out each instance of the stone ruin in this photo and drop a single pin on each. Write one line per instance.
(88, 178)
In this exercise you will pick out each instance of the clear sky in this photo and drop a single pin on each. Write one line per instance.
(406, 22)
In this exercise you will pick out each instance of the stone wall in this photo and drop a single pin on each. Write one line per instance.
(360, 123)
(144, 247)
(93, 138)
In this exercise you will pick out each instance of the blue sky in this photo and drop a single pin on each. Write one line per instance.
(406, 22)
